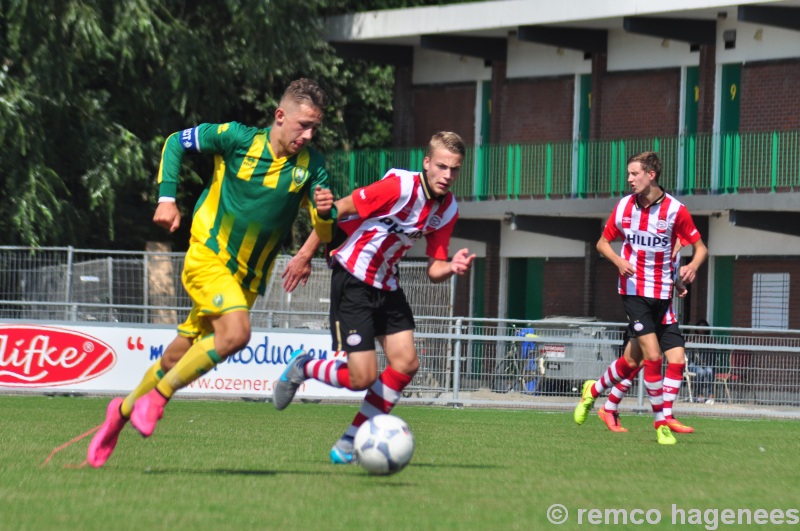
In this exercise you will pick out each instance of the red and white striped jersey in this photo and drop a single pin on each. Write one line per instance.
(649, 236)
(393, 213)
(669, 317)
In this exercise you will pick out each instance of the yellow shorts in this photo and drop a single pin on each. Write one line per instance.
(213, 289)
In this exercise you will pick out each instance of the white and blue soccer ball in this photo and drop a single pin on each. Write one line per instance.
(384, 445)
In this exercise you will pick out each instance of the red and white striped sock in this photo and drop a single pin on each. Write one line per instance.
(618, 370)
(619, 391)
(381, 398)
(655, 390)
(332, 372)
(672, 386)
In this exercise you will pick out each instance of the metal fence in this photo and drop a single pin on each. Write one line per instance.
(463, 359)
(551, 358)
(67, 284)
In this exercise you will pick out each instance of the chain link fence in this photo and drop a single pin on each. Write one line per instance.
(67, 284)
(462, 359)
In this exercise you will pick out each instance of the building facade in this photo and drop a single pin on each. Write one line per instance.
(553, 97)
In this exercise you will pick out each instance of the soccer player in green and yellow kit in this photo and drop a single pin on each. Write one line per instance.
(261, 178)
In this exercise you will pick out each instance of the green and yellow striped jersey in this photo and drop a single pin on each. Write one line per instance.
(251, 202)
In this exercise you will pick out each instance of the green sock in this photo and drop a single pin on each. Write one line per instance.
(197, 361)
(148, 383)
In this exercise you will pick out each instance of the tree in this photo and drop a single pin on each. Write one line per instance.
(89, 90)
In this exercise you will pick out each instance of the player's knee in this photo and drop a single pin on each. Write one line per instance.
(361, 383)
(411, 366)
(360, 380)
(231, 341)
(174, 352)
(168, 361)
(651, 356)
(632, 363)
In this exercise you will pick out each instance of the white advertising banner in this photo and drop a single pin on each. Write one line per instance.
(113, 359)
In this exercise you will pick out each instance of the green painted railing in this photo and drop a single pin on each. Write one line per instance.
(693, 164)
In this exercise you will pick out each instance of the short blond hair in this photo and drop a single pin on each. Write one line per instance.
(449, 141)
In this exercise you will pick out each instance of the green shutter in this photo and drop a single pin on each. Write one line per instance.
(482, 160)
(692, 98)
(525, 281)
(534, 307)
(479, 297)
(517, 292)
(729, 102)
(584, 130)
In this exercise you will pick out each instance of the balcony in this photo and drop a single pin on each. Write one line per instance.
(700, 164)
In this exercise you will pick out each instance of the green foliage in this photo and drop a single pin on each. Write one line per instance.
(90, 89)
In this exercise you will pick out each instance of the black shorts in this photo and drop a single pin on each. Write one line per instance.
(644, 314)
(670, 337)
(360, 312)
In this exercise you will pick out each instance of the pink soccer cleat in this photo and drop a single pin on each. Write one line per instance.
(611, 418)
(104, 442)
(678, 427)
(147, 411)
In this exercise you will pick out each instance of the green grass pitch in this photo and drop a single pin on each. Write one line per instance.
(242, 465)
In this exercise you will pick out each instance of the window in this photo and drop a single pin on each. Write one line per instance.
(771, 300)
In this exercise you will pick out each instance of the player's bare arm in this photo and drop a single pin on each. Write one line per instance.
(323, 199)
(626, 269)
(298, 269)
(699, 255)
(168, 216)
(346, 207)
(441, 270)
(676, 249)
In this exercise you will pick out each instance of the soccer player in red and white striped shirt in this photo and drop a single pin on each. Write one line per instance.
(620, 374)
(381, 222)
(650, 222)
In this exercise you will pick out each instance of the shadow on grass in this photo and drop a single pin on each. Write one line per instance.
(251, 472)
(456, 465)
(233, 472)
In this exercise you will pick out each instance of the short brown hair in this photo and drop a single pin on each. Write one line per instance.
(449, 141)
(649, 161)
(306, 91)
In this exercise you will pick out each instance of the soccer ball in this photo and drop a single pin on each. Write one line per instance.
(384, 445)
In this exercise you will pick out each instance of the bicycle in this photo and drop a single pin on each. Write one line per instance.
(521, 367)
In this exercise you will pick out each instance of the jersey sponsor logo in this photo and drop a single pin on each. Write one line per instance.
(362, 194)
(646, 240)
(187, 138)
(626, 220)
(299, 175)
(393, 228)
(40, 356)
(249, 162)
(222, 128)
